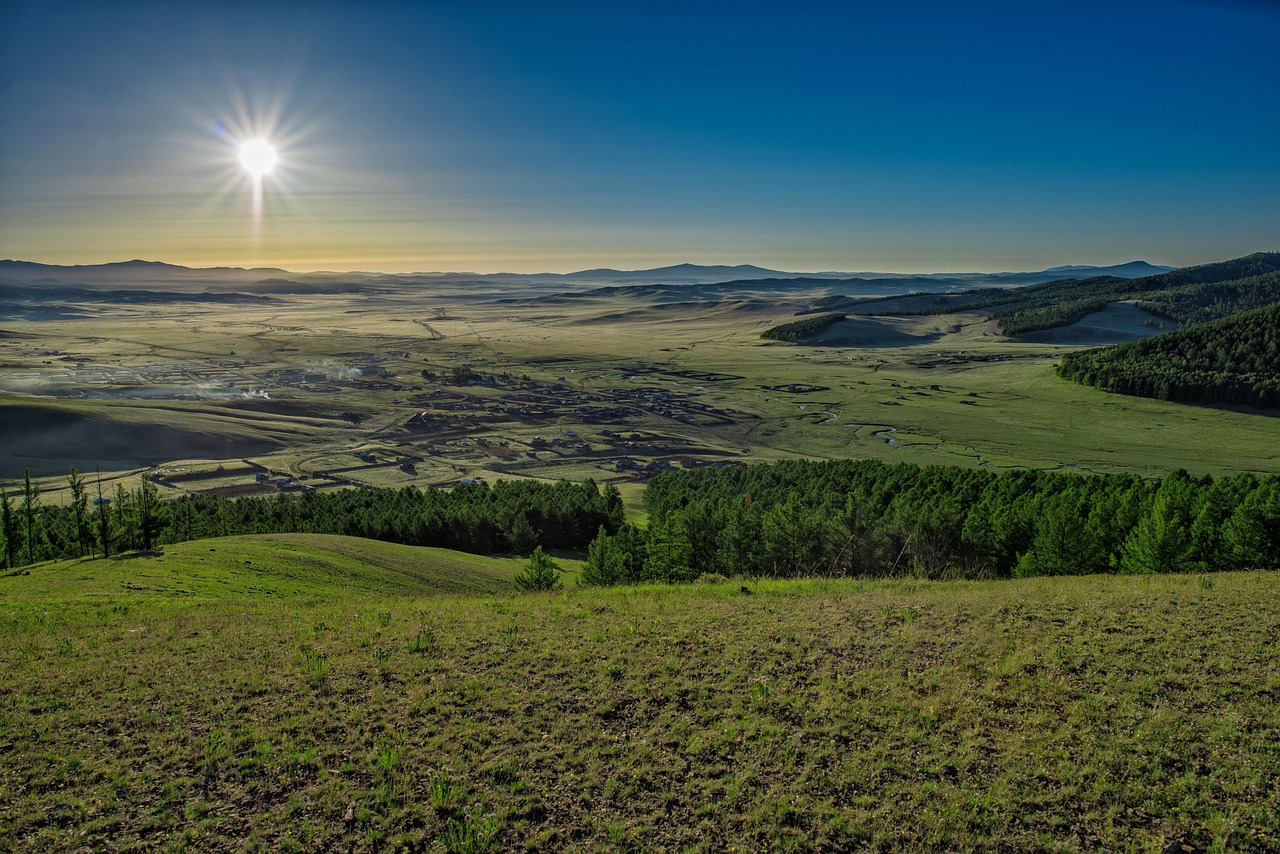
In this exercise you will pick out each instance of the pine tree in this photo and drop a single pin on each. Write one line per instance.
(127, 520)
(1251, 537)
(668, 554)
(104, 519)
(520, 534)
(1160, 541)
(79, 509)
(541, 573)
(152, 513)
(605, 564)
(739, 551)
(1064, 544)
(614, 511)
(30, 513)
(9, 529)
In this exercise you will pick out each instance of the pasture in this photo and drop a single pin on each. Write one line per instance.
(610, 387)
(179, 702)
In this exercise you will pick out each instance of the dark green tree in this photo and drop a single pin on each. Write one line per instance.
(79, 510)
(1251, 536)
(668, 553)
(613, 507)
(521, 534)
(31, 514)
(128, 523)
(540, 573)
(153, 514)
(1160, 541)
(739, 549)
(797, 539)
(605, 564)
(105, 526)
(8, 529)
(1064, 544)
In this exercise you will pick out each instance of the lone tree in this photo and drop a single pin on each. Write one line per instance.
(153, 514)
(9, 528)
(103, 506)
(79, 510)
(30, 512)
(541, 573)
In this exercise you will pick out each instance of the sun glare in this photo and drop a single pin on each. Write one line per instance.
(258, 157)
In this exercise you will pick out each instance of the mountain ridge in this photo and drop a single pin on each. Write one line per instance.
(141, 271)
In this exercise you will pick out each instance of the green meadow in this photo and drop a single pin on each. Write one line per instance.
(320, 693)
(300, 385)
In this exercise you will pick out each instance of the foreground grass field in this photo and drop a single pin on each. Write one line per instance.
(1047, 714)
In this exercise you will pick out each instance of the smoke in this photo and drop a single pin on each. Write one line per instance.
(340, 372)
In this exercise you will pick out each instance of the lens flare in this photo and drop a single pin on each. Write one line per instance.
(258, 157)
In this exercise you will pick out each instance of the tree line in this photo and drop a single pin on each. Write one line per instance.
(800, 329)
(794, 518)
(801, 518)
(1188, 295)
(510, 516)
(1235, 360)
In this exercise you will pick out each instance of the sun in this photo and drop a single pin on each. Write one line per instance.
(258, 157)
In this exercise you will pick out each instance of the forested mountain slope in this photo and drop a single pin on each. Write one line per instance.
(1232, 360)
(1188, 295)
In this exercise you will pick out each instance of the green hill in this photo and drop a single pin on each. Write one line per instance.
(268, 565)
(1188, 295)
(1235, 360)
(1096, 713)
(800, 329)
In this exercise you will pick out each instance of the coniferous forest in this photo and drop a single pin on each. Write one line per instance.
(798, 330)
(1235, 360)
(510, 516)
(1185, 296)
(791, 519)
(866, 518)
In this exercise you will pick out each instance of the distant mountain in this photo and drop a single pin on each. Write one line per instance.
(1186, 295)
(1131, 270)
(274, 280)
(678, 274)
(127, 272)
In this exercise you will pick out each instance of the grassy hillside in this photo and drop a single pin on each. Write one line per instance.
(268, 565)
(1232, 360)
(1096, 712)
(1188, 295)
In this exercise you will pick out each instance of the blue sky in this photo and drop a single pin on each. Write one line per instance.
(557, 136)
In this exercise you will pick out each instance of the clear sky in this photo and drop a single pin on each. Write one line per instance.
(486, 136)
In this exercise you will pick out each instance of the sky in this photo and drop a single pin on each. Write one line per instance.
(557, 136)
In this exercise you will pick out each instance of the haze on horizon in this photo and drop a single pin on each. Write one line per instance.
(504, 137)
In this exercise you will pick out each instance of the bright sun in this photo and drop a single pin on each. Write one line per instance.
(258, 157)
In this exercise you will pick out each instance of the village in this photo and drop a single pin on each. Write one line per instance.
(461, 426)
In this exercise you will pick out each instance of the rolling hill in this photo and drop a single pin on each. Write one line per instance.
(1188, 295)
(1234, 360)
(266, 566)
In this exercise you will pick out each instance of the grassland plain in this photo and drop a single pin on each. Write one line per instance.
(1113, 713)
(297, 385)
